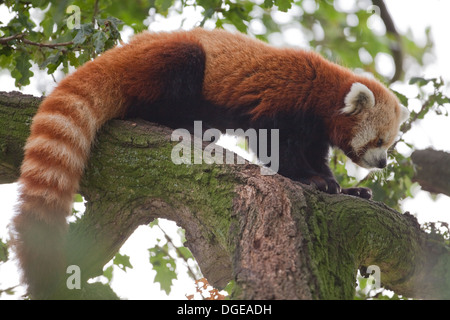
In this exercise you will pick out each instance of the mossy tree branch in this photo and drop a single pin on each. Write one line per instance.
(277, 238)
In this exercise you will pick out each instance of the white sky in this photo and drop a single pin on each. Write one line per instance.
(431, 132)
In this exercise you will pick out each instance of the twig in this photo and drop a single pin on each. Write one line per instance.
(8, 289)
(95, 11)
(21, 37)
(397, 48)
(14, 37)
(48, 45)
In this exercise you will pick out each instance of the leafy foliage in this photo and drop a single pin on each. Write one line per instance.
(166, 255)
(367, 291)
(48, 37)
(164, 265)
(439, 230)
(3, 251)
(4, 256)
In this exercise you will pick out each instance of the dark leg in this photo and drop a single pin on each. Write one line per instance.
(323, 168)
(303, 150)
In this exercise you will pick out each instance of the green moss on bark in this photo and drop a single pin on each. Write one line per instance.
(16, 112)
(348, 232)
(145, 170)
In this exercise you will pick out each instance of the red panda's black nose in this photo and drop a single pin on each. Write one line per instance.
(382, 163)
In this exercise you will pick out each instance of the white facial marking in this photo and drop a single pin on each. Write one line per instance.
(363, 137)
(373, 158)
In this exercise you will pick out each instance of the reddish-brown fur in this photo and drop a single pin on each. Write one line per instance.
(240, 73)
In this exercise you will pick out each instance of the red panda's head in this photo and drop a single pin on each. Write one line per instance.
(376, 115)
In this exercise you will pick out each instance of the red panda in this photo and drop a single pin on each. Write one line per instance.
(227, 80)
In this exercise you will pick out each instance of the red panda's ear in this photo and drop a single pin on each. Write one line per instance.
(359, 98)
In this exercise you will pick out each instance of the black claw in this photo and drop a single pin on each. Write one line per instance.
(364, 193)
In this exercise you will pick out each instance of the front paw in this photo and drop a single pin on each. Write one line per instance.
(364, 193)
(325, 184)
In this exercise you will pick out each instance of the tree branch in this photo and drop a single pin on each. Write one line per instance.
(94, 15)
(276, 238)
(21, 37)
(396, 46)
(432, 170)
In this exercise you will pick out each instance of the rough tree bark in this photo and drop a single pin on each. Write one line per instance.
(276, 238)
(432, 170)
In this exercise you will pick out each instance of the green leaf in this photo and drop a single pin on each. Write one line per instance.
(122, 261)
(108, 273)
(132, 13)
(153, 223)
(83, 33)
(419, 80)
(163, 6)
(100, 39)
(77, 198)
(403, 99)
(52, 62)
(268, 4)
(74, 61)
(164, 265)
(47, 24)
(362, 282)
(3, 251)
(6, 57)
(184, 253)
(230, 287)
(283, 5)
(235, 18)
(22, 71)
(111, 22)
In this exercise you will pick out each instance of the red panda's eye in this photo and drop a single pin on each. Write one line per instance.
(379, 143)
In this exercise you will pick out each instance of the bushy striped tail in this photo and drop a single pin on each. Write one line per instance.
(56, 152)
(55, 155)
(164, 66)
